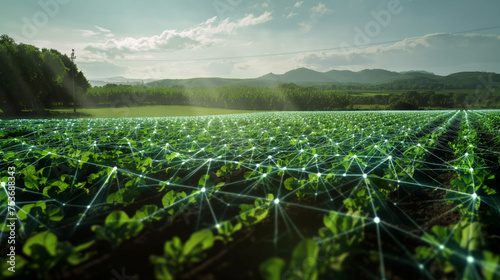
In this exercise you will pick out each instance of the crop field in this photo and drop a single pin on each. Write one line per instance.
(285, 195)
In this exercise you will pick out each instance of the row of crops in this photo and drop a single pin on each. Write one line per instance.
(289, 195)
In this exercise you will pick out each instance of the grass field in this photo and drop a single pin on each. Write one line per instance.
(153, 111)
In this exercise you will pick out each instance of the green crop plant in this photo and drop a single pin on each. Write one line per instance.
(44, 252)
(178, 256)
(117, 228)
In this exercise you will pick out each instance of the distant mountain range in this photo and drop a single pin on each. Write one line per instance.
(368, 77)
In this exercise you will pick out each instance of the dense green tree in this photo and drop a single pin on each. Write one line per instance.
(34, 79)
(403, 105)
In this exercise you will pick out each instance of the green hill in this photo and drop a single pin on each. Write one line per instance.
(365, 78)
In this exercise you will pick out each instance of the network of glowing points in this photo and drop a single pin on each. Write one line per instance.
(369, 171)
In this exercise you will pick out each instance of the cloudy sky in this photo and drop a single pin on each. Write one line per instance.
(241, 39)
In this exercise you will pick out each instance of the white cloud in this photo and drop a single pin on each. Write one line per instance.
(202, 35)
(298, 4)
(320, 10)
(100, 31)
(291, 15)
(317, 12)
(104, 30)
(88, 33)
(304, 27)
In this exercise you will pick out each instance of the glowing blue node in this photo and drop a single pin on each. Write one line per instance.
(258, 165)
(466, 154)
(276, 201)
(441, 247)
(217, 226)
(355, 156)
(470, 259)
(88, 206)
(389, 157)
(364, 176)
(344, 174)
(203, 189)
(474, 196)
(319, 174)
(264, 175)
(3, 184)
(269, 157)
(376, 220)
(421, 266)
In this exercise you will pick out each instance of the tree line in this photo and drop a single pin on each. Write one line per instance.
(35, 80)
(282, 97)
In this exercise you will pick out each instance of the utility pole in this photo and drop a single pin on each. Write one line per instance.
(73, 57)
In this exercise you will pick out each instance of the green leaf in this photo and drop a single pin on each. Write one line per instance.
(58, 186)
(168, 199)
(20, 265)
(204, 180)
(272, 268)
(290, 183)
(117, 228)
(161, 269)
(173, 247)
(45, 239)
(304, 260)
(249, 174)
(147, 212)
(490, 266)
(199, 241)
(55, 213)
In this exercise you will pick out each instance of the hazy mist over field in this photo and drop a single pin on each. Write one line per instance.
(246, 39)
